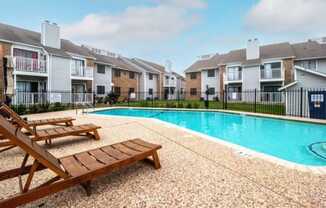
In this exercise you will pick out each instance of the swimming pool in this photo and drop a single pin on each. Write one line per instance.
(287, 140)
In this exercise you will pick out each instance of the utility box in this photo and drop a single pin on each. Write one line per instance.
(317, 104)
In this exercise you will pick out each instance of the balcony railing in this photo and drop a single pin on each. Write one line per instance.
(170, 83)
(84, 72)
(24, 64)
(234, 76)
(32, 98)
(271, 74)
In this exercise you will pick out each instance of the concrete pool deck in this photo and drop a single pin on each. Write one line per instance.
(195, 172)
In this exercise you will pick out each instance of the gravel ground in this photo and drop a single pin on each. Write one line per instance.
(195, 172)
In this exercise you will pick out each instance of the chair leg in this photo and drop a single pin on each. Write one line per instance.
(96, 135)
(157, 164)
(87, 187)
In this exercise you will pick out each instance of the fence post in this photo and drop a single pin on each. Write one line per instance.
(301, 102)
(255, 108)
(152, 99)
(226, 99)
(222, 98)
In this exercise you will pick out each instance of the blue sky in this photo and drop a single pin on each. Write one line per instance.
(176, 30)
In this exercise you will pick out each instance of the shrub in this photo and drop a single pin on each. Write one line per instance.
(57, 107)
(188, 105)
(112, 98)
(19, 109)
(180, 105)
(143, 104)
(195, 105)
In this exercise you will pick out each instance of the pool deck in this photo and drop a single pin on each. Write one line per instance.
(196, 172)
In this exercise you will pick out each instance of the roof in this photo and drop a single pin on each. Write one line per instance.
(309, 49)
(15, 34)
(72, 48)
(178, 75)
(121, 64)
(20, 35)
(56, 52)
(304, 70)
(154, 65)
(278, 50)
(210, 63)
(144, 66)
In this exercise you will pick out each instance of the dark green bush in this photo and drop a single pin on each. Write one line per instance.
(19, 109)
(195, 105)
(180, 105)
(188, 105)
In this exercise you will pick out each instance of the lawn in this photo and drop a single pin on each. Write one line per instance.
(278, 109)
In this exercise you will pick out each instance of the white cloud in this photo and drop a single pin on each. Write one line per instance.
(294, 16)
(136, 24)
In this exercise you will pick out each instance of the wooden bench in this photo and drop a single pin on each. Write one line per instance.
(77, 169)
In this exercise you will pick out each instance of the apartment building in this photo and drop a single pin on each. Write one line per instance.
(42, 67)
(36, 63)
(265, 68)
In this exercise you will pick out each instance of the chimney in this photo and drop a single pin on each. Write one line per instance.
(253, 49)
(50, 35)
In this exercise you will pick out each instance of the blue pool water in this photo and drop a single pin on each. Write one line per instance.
(288, 140)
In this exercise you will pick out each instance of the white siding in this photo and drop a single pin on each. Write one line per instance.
(59, 79)
(152, 84)
(305, 80)
(211, 82)
(250, 77)
(103, 79)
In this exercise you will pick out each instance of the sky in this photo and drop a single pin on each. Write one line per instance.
(176, 30)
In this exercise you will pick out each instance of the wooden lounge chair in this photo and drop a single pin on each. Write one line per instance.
(78, 169)
(89, 130)
(64, 121)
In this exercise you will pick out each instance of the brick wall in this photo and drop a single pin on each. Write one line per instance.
(5, 49)
(160, 85)
(288, 65)
(124, 82)
(193, 83)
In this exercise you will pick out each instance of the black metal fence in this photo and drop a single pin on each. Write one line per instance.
(300, 102)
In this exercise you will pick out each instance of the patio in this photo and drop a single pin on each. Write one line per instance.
(195, 172)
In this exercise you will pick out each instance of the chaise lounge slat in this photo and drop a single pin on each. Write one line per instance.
(77, 169)
(88, 130)
(63, 121)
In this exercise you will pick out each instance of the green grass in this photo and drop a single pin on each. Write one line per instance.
(278, 109)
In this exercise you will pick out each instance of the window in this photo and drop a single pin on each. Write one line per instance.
(211, 73)
(271, 71)
(117, 73)
(131, 90)
(193, 91)
(309, 64)
(234, 73)
(150, 76)
(131, 75)
(150, 91)
(193, 75)
(77, 67)
(117, 90)
(100, 89)
(100, 69)
(211, 91)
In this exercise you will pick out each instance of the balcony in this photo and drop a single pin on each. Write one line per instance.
(168, 82)
(84, 73)
(234, 76)
(30, 65)
(271, 74)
